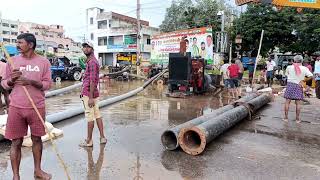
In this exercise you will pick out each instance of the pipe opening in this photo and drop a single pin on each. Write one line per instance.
(169, 140)
(191, 139)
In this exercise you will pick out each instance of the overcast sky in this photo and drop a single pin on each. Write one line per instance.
(71, 13)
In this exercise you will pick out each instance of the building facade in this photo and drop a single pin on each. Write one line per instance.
(49, 38)
(9, 30)
(115, 36)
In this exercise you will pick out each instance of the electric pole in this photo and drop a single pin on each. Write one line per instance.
(138, 35)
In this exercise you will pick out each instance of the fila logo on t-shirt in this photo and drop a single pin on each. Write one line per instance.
(30, 68)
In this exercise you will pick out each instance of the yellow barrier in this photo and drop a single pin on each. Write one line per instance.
(315, 4)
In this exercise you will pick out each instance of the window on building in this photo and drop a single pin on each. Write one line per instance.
(14, 26)
(6, 40)
(5, 25)
(14, 33)
(111, 40)
(6, 32)
(13, 40)
(92, 36)
(103, 24)
(21, 32)
(130, 39)
(36, 33)
(102, 41)
(51, 36)
(58, 27)
(148, 41)
(91, 20)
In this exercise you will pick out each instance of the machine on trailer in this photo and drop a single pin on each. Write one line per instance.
(186, 75)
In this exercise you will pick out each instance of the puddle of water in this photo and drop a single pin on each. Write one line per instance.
(133, 128)
(71, 100)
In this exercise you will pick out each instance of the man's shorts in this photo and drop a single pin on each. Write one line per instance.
(226, 83)
(19, 119)
(93, 113)
(250, 74)
(270, 74)
(234, 83)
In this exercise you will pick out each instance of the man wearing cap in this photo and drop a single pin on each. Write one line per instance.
(90, 94)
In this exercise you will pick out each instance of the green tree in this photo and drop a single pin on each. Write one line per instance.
(278, 27)
(185, 14)
(307, 31)
(170, 22)
(286, 29)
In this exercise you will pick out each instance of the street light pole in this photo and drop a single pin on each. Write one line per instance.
(138, 36)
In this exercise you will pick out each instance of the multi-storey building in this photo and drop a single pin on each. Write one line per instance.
(9, 30)
(49, 38)
(115, 36)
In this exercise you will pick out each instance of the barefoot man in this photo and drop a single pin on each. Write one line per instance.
(33, 72)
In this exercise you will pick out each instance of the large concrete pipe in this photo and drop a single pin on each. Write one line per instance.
(78, 85)
(60, 116)
(62, 90)
(169, 138)
(193, 140)
(137, 76)
(56, 117)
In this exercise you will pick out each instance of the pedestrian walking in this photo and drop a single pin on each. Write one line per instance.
(33, 72)
(90, 94)
(241, 69)
(225, 76)
(233, 73)
(250, 67)
(270, 71)
(296, 74)
(307, 64)
(240, 74)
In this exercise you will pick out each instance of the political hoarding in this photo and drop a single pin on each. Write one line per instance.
(199, 42)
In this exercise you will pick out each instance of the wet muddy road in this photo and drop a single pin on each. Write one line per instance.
(265, 148)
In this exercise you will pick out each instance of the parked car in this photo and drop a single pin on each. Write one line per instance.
(62, 69)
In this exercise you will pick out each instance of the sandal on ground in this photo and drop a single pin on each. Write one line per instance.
(298, 121)
(86, 144)
(103, 140)
(285, 120)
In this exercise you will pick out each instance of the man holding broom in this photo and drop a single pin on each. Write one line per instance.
(32, 71)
